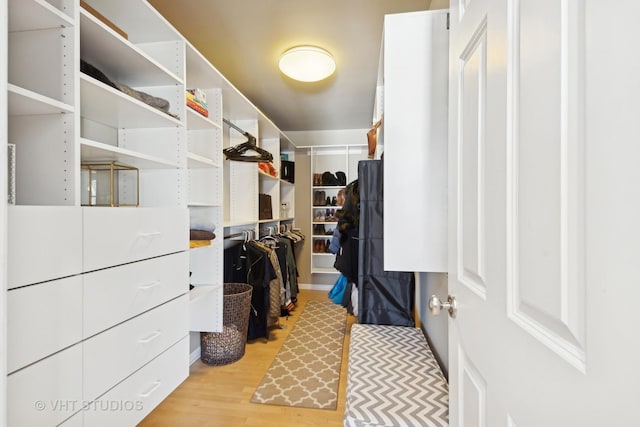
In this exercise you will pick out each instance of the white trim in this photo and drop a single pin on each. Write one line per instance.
(311, 286)
(195, 355)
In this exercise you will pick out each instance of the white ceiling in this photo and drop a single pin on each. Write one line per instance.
(243, 39)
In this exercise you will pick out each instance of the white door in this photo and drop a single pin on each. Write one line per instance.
(544, 261)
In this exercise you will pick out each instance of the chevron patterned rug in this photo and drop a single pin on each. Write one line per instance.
(306, 370)
(394, 379)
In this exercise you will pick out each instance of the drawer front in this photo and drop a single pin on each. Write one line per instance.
(45, 242)
(136, 396)
(116, 294)
(113, 355)
(43, 319)
(114, 236)
(48, 392)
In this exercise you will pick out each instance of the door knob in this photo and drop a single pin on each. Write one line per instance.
(435, 305)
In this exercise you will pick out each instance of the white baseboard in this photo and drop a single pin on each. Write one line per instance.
(194, 356)
(312, 287)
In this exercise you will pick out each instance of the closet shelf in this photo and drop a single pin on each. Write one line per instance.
(104, 104)
(100, 45)
(97, 151)
(196, 121)
(29, 15)
(23, 102)
(196, 161)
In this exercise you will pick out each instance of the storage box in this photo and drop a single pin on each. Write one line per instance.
(264, 206)
(287, 171)
(110, 184)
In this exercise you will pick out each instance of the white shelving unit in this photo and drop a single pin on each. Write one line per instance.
(329, 159)
(413, 98)
(108, 308)
(245, 181)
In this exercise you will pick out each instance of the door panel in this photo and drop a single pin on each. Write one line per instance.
(545, 208)
(471, 192)
(544, 234)
(473, 395)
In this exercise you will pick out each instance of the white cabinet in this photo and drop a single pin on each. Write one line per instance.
(117, 236)
(47, 392)
(414, 132)
(42, 319)
(35, 233)
(99, 296)
(332, 159)
(141, 392)
(113, 295)
(94, 294)
(137, 341)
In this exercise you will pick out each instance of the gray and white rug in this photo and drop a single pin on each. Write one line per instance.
(306, 370)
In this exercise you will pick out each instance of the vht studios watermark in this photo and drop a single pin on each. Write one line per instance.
(95, 405)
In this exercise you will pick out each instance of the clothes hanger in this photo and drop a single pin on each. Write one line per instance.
(242, 152)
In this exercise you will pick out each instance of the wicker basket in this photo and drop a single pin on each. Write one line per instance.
(222, 348)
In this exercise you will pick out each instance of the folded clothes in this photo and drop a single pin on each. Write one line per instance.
(154, 101)
(201, 235)
(199, 243)
(198, 220)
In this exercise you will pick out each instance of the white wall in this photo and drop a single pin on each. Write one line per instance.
(439, 4)
(435, 327)
(328, 137)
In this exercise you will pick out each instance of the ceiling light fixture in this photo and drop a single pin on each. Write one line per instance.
(307, 63)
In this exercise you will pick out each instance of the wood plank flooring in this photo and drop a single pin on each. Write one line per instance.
(220, 395)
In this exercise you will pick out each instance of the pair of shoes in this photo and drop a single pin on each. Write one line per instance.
(317, 179)
(318, 229)
(329, 232)
(318, 246)
(327, 243)
(330, 215)
(319, 216)
(334, 201)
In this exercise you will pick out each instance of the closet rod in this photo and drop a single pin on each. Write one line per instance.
(244, 234)
(242, 131)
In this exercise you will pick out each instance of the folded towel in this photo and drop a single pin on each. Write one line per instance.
(199, 243)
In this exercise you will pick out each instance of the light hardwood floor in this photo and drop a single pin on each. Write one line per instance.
(220, 395)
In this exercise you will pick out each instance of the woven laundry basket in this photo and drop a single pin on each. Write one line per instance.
(222, 348)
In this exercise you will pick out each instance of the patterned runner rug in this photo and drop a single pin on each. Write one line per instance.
(306, 370)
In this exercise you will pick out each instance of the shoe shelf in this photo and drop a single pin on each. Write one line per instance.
(332, 168)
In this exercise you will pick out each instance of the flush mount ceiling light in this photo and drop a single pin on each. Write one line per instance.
(307, 63)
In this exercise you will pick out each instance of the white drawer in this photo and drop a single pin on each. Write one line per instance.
(114, 236)
(113, 355)
(136, 396)
(45, 243)
(48, 392)
(43, 319)
(116, 294)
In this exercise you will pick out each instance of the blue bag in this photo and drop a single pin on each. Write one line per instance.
(337, 292)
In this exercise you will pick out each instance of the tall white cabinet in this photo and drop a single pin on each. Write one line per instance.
(412, 99)
(98, 302)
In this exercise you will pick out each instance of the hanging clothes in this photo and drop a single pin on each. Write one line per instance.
(276, 286)
(249, 263)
